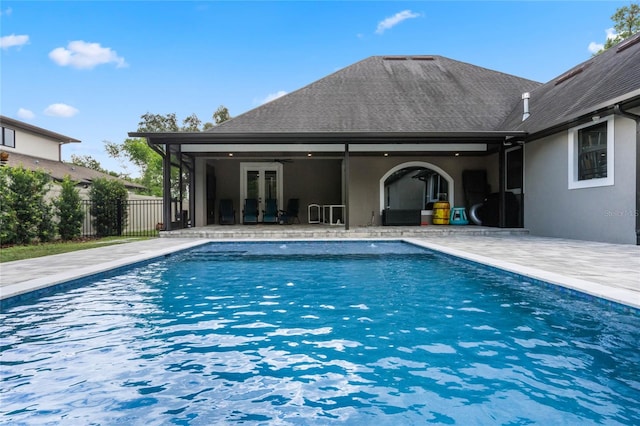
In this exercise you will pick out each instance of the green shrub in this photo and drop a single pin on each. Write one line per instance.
(27, 190)
(108, 207)
(47, 226)
(69, 210)
(8, 218)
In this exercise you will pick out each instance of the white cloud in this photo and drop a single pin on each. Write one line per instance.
(394, 20)
(13, 40)
(83, 55)
(25, 114)
(597, 47)
(272, 96)
(61, 110)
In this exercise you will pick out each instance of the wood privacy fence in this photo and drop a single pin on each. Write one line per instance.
(127, 219)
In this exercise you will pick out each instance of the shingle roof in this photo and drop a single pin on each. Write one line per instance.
(603, 79)
(58, 170)
(392, 94)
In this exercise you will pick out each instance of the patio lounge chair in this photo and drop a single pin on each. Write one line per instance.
(270, 212)
(226, 212)
(291, 213)
(250, 211)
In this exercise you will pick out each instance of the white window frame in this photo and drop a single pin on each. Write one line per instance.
(574, 183)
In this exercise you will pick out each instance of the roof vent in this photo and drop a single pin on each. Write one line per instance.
(525, 99)
(570, 74)
(627, 44)
(395, 58)
(422, 58)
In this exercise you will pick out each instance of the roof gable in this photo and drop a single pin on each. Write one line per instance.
(391, 94)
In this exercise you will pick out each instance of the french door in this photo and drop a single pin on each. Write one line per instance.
(261, 181)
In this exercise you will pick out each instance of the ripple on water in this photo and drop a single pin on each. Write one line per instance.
(388, 334)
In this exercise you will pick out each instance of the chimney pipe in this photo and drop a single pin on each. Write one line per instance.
(525, 99)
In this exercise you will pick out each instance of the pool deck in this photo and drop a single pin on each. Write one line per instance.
(609, 271)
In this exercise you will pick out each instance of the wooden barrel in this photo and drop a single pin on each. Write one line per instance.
(441, 212)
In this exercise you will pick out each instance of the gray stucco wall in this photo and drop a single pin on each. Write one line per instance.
(604, 214)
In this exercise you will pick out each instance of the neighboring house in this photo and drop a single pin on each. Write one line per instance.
(35, 148)
(394, 134)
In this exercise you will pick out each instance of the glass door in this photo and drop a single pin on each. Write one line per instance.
(261, 181)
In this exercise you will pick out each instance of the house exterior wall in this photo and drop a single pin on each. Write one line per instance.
(365, 174)
(34, 145)
(606, 213)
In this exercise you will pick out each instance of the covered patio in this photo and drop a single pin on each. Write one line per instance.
(347, 139)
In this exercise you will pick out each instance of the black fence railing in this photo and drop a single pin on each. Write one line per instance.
(129, 218)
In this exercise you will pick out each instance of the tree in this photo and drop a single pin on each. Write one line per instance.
(626, 22)
(69, 211)
(148, 161)
(8, 217)
(32, 212)
(88, 162)
(220, 116)
(108, 207)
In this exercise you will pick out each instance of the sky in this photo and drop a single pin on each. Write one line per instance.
(90, 69)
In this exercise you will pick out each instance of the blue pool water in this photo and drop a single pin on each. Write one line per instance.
(317, 333)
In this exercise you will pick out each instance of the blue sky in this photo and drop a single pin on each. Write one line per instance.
(90, 69)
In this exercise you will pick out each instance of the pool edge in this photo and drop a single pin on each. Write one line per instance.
(621, 296)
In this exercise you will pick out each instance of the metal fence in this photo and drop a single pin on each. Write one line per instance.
(127, 219)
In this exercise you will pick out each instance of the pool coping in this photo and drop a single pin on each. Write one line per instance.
(621, 296)
(22, 288)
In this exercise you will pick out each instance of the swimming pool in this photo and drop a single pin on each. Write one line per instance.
(317, 333)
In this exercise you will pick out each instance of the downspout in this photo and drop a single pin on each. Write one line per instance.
(617, 110)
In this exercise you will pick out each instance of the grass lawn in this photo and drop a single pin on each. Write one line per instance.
(8, 254)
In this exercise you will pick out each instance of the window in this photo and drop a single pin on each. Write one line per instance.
(591, 154)
(438, 188)
(8, 137)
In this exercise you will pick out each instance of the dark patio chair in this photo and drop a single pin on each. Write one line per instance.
(250, 211)
(270, 212)
(291, 213)
(226, 212)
